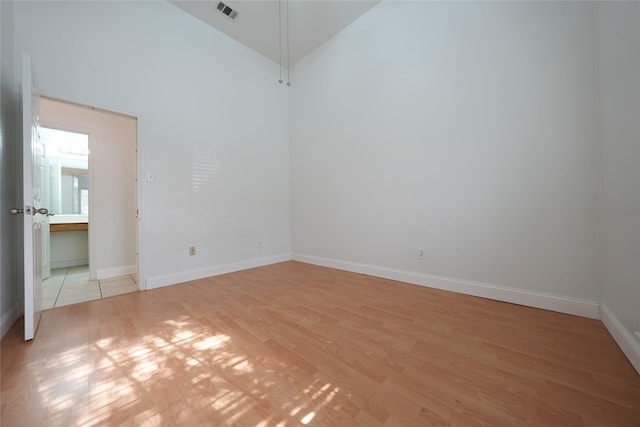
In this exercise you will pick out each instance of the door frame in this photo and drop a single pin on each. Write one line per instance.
(139, 195)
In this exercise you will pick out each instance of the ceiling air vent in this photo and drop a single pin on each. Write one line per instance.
(226, 10)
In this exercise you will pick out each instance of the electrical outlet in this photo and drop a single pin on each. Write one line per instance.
(420, 253)
(192, 250)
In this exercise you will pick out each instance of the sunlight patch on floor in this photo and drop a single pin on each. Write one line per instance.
(114, 376)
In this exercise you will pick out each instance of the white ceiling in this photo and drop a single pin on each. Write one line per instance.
(311, 22)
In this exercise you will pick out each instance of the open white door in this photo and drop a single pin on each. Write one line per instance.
(45, 185)
(35, 215)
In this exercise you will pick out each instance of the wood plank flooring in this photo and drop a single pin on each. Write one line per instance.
(293, 344)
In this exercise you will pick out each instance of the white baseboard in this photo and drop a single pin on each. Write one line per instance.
(69, 263)
(562, 304)
(629, 343)
(8, 319)
(108, 273)
(158, 282)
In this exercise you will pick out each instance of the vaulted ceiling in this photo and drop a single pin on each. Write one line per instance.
(311, 22)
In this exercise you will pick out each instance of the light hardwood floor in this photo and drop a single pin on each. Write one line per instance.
(293, 344)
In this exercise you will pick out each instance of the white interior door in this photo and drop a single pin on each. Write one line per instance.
(35, 215)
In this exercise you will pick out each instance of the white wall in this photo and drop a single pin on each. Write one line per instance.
(470, 130)
(112, 192)
(212, 125)
(619, 67)
(69, 248)
(466, 129)
(9, 225)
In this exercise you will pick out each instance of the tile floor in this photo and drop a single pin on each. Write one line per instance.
(72, 285)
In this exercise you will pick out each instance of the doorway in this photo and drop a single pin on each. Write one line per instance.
(90, 158)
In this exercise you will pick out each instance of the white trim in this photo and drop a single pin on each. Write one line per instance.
(559, 303)
(158, 282)
(84, 103)
(9, 319)
(91, 235)
(70, 263)
(140, 197)
(629, 344)
(108, 273)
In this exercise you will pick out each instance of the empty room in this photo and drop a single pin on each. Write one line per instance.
(347, 213)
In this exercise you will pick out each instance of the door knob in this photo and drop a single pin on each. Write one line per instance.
(43, 211)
